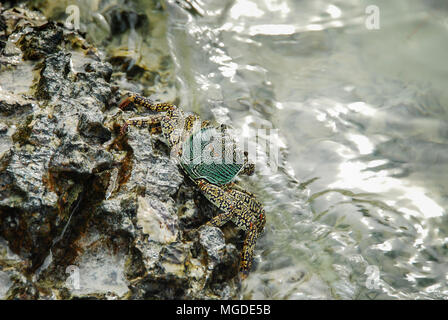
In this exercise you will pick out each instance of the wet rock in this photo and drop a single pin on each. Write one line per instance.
(116, 214)
(54, 66)
(80, 158)
(212, 240)
(14, 105)
(223, 258)
(91, 126)
(157, 219)
(153, 174)
(34, 46)
(189, 216)
(79, 199)
(173, 258)
(3, 128)
(100, 271)
(5, 284)
(100, 70)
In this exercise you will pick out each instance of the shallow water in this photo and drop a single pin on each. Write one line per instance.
(356, 208)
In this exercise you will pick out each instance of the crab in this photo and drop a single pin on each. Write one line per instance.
(195, 145)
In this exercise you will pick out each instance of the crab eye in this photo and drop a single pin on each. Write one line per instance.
(261, 216)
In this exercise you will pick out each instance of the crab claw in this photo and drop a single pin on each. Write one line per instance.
(123, 105)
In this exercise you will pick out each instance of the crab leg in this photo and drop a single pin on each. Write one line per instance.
(173, 127)
(143, 122)
(234, 186)
(232, 206)
(217, 195)
(147, 103)
(247, 254)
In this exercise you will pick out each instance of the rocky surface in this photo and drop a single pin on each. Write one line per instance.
(85, 212)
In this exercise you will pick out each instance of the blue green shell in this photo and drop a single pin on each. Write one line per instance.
(215, 169)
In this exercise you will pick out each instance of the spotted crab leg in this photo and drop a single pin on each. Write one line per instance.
(226, 200)
(147, 103)
(144, 122)
(247, 254)
(173, 127)
(234, 186)
(219, 197)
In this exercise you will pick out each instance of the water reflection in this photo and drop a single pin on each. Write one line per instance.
(361, 179)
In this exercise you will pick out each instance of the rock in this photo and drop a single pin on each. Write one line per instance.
(12, 105)
(212, 240)
(153, 174)
(223, 258)
(156, 220)
(77, 199)
(35, 46)
(99, 270)
(80, 158)
(173, 258)
(5, 284)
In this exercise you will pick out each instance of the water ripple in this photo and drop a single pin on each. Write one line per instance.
(361, 185)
